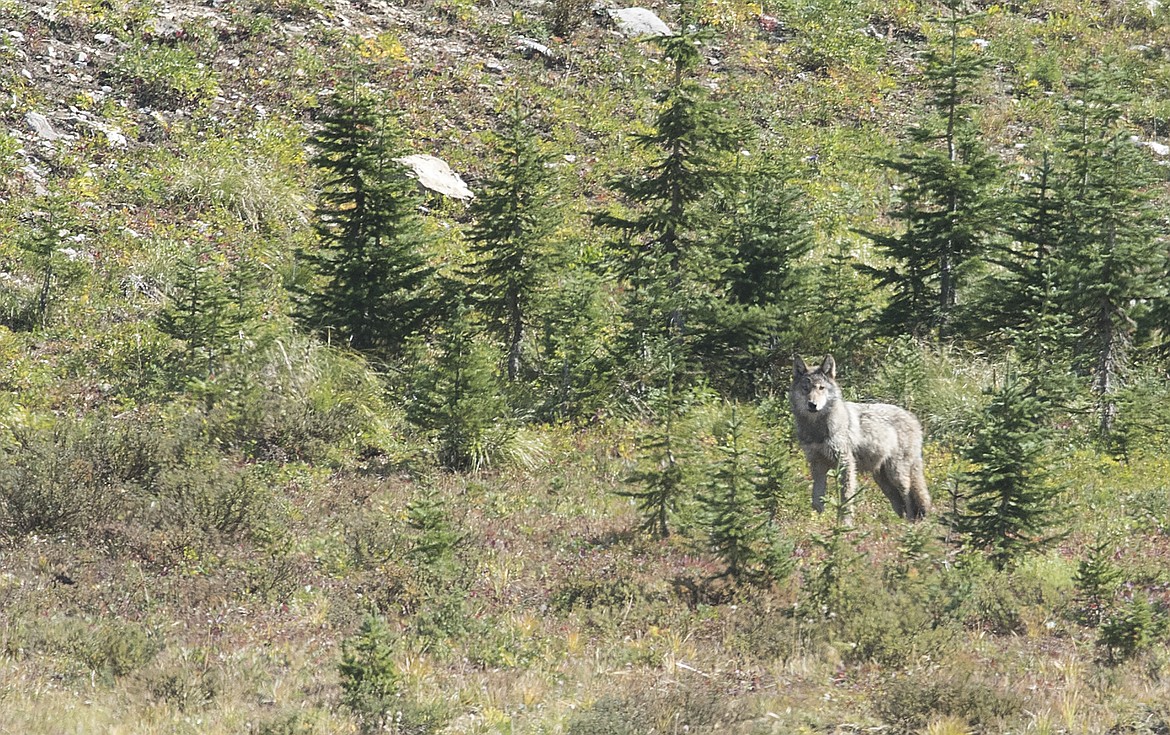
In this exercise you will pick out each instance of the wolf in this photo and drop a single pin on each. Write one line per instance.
(872, 437)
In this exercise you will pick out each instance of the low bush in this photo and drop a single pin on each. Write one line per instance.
(909, 703)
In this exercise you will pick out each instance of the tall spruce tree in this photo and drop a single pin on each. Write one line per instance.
(1021, 302)
(372, 287)
(666, 255)
(749, 317)
(1112, 263)
(949, 201)
(1010, 507)
(515, 217)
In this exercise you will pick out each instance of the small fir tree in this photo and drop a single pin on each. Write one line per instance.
(659, 476)
(373, 285)
(43, 242)
(736, 528)
(1010, 507)
(370, 681)
(461, 399)
(1097, 579)
(208, 305)
(515, 216)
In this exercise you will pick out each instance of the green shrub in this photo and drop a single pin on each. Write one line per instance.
(108, 648)
(65, 476)
(167, 77)
(692, 709)
(115, 647)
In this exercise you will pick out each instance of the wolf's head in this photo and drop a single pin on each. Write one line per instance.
(813, 390)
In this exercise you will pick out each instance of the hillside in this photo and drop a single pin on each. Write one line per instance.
(248, 485)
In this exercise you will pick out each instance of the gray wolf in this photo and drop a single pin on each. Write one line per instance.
(872, 437)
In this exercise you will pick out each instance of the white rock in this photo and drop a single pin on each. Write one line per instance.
(434, 174)
(103, 38)
(639, 22)
(41, 126)
(1159, 149)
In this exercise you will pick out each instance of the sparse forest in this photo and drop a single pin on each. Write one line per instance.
(293, 442)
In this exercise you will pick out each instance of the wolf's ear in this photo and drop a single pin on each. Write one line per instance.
(799, 369)
(829, 367)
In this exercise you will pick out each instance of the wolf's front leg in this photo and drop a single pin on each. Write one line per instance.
(847, 486)
(820, 474)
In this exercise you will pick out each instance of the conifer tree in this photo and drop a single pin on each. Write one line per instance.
(514, 219)
(370, 680)
(666, 253)
(1112, 265)
(749, 317)
(1010, 506)
(207, 306)
(949, 202)
(1021, 303)
(43, 242)
(373, 283)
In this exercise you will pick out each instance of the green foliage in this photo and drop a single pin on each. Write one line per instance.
(949, 202)
(1010, 506)
(564, 17)
(210, 305)
(372, 279)
(373, 687)
(241, 180)
(735, 525)
(62, 477)
(46, 244)
(664, 246)
(574, 339)
(1111, 263)
(370, 681)
(108, 648)
(660, 468)
(766, 278)
(910, 703)
(459, 398)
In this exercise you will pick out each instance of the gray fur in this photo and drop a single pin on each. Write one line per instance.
(879, 438)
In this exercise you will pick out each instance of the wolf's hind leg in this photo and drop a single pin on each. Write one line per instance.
(894, 487)
(919, 496)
